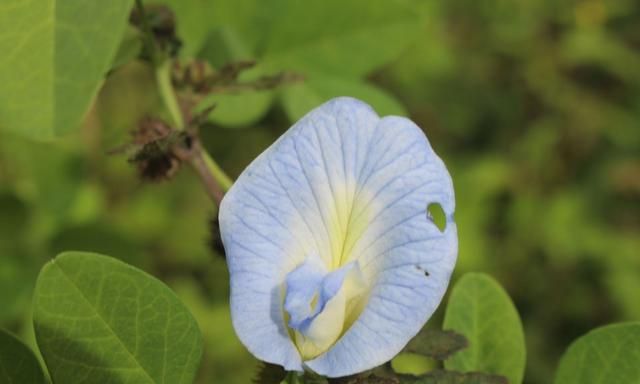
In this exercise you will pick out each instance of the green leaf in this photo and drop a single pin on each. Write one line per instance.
(18, 364)
(223, 46)
(347, 38)
(54, 57)
(437, 344)
(452, 377)
(129, 48)
(237, 110)
(99, 320)
(609, 354)
(298, 99)
(481, 310)
(350, 38)
(197, 18)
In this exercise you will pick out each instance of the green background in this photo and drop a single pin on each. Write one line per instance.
(534, 106)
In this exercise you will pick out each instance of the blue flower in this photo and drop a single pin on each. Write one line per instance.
(335, 263)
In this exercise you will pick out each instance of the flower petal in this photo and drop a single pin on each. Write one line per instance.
(303, 285)
(316, 301)
(347, 186)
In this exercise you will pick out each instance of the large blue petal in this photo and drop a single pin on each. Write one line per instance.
(345, 185)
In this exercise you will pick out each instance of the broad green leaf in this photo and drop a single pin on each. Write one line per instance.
(437, 344)
(609, 354)
(481, 310)
(18, 364)
(342, 42)
(54, 57)
(197, 18)
(238, 109)
(300, 98)
(99, 320)
(222, 46)
(347, 38)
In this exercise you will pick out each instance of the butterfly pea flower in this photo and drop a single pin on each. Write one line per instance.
(335, 262)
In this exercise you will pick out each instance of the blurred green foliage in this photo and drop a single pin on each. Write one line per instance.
(534, 106)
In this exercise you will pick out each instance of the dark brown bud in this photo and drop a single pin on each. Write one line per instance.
(154, 164)
(162, 23)
(154, 157)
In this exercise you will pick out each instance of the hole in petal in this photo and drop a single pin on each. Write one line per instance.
(436, 215)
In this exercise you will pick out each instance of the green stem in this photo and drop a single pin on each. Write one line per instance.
(214, 178)
(163, 78)
(163, 71)
(223, 180)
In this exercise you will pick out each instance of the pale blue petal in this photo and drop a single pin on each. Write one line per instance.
(332, 283)
(345, 185)
(304, 283)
